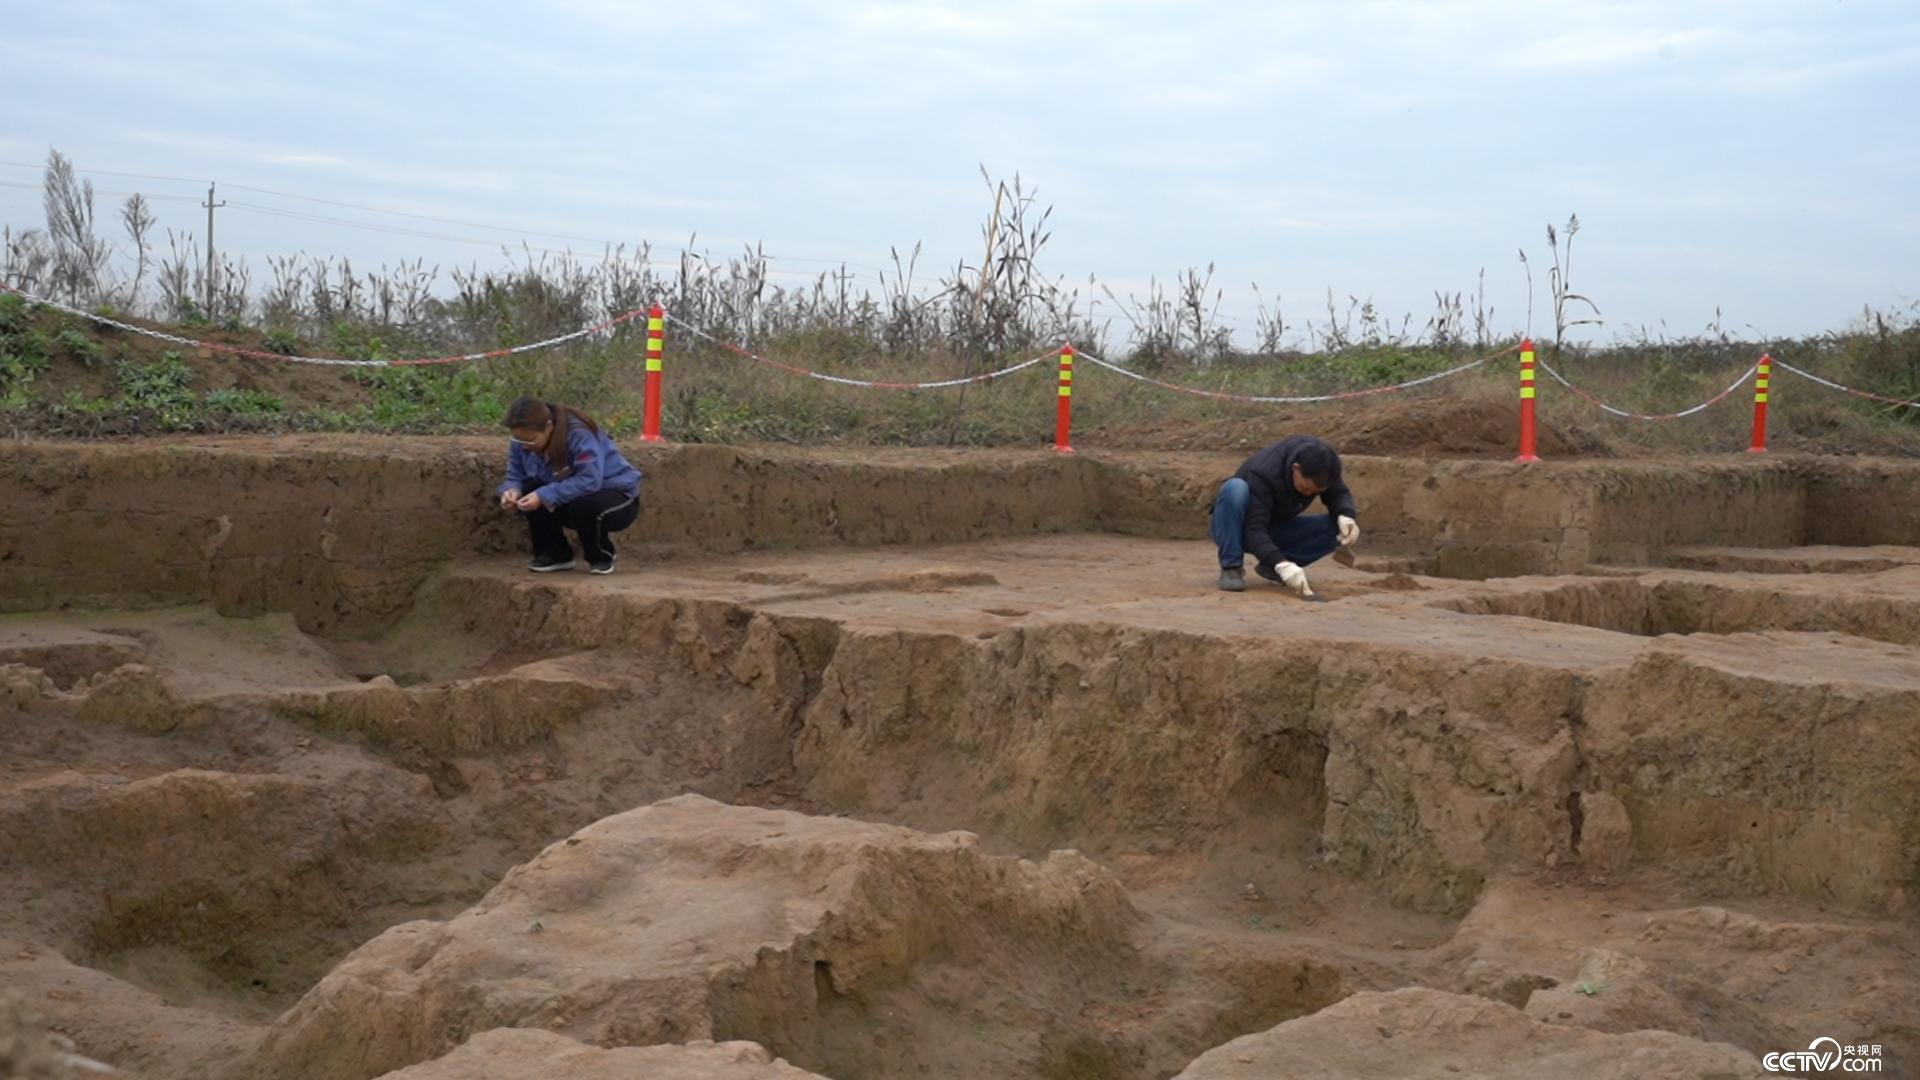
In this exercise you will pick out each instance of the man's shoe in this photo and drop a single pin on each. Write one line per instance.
(1233, 579)
(543, 564)
(601, 567)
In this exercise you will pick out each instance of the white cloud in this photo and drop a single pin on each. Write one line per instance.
(1801, 78)
(246, 151)
(1607, 48)
(930, 19)
(328, 160)
(1251, 85)
(1299, 141)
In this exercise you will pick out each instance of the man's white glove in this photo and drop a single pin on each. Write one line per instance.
(1293, 578)
(1349, 530)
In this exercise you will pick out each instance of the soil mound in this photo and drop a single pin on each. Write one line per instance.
(1429, 1033)
(690, 919)
(522, 1054)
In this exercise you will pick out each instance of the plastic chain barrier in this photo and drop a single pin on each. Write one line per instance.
(871, 384)
(328, 361)
(1702, 407)
(1831, 385)
(1302, 399)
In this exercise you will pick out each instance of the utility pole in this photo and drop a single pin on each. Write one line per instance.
(210, 206)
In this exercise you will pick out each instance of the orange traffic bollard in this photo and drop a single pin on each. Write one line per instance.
(1063, 427)
(1761, 378)
(1527, 421)
(656, 345)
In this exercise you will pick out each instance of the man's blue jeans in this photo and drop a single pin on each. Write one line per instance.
(1301, 539)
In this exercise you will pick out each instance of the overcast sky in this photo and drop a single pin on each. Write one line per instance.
(1762, 156)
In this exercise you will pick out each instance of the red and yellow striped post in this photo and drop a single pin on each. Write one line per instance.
(656, 345)
(1761, 378)
(1527, 423)
(1063, 427)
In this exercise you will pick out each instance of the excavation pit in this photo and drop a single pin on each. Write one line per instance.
(1885, 607)
(956, 766)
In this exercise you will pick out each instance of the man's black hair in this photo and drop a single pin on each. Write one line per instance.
(1319, 463)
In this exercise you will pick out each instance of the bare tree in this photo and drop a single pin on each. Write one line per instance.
(80, 257)
(176, 276)
(1271, 324)
(28, 257)
(138, 220)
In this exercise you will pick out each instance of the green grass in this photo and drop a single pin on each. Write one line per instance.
(430, 399)
(13, 314)
(283, 341)
(717, 396)
(243, 403)
(161, 388)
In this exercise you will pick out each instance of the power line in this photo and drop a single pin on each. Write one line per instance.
(420, 217)
(397, 230)
(113, 194)
(107, 172)
(503, 228)
(429, 217)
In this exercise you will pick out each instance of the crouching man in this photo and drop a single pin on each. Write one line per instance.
(1259, 511)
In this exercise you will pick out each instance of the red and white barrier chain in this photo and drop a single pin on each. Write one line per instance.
(1219, 395)
(326, 361)
(1298, 399)
(1702, 407)
(1831, 385)
(842, 380)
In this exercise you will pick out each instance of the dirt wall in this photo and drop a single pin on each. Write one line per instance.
(1479, 519)
(340, 530)
(1861, 502)
(1427, 771)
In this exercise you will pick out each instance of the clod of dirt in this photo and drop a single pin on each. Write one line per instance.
(1398, 582)
(522, 1054)
(837, 944)
(1618, 993)
(1426, 1033)
(29, 1052)
(761, 577)
(25, 1050)
(1606, 833)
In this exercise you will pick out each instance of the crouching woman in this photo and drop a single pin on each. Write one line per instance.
(564, 473)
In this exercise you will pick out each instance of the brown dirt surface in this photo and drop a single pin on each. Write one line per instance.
(306, 775)
(522, 1054)
(26, 1052)
(690, 919)
(1427, 1033)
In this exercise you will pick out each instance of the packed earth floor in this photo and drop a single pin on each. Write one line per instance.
(955, 765)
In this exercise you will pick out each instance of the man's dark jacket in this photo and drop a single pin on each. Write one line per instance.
(1269, 477)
